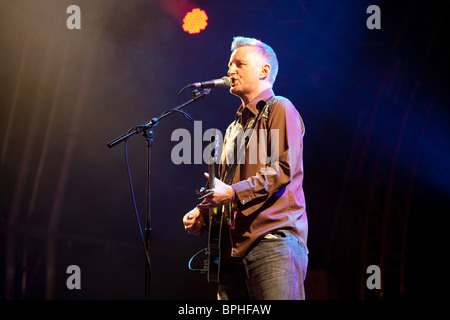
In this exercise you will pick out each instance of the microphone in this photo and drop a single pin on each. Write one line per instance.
(223, 82)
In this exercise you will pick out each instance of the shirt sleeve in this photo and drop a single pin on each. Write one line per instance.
(285, 121)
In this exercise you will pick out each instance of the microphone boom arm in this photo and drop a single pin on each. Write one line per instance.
(154, 121)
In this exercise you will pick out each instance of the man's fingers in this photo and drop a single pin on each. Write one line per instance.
(204, 205)
(192, 228)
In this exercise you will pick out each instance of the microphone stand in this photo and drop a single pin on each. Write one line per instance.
(148, 134)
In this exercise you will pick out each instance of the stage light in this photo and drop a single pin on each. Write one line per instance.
(195, 21)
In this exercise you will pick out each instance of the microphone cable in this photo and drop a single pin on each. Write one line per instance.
(134, 203)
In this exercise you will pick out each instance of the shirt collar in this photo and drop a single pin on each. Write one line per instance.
(253, 106)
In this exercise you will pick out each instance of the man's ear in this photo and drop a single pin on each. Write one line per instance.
(265, 70)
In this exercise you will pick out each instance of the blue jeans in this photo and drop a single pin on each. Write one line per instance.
(274, 269)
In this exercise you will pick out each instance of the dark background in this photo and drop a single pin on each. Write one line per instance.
(375, 104)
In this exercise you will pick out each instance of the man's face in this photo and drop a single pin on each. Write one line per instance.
(245, 70)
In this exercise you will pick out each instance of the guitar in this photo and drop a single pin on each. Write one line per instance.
(217, 217)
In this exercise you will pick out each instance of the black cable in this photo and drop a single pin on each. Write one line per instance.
(179, 94)
(178, 110)
(178, 103)
(134, 203)
(190, 261)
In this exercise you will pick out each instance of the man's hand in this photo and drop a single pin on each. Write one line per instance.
(193, 222)
(222, 195)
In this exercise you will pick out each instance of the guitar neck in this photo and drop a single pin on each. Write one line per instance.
(212, 175)
(213, 157)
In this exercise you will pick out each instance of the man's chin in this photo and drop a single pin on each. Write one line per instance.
(234, 91)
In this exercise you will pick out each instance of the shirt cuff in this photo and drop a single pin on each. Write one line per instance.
(243, 191)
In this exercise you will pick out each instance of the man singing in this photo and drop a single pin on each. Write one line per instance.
(268, 234)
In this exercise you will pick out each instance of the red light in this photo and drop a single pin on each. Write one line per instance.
(195, 21)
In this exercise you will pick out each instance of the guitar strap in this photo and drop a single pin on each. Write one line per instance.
(263, 112)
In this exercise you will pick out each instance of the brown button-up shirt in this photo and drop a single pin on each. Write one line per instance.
(268, 184)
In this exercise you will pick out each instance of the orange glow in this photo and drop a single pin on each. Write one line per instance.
(195, 21)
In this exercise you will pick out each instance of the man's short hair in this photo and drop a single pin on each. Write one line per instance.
(263, 49)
